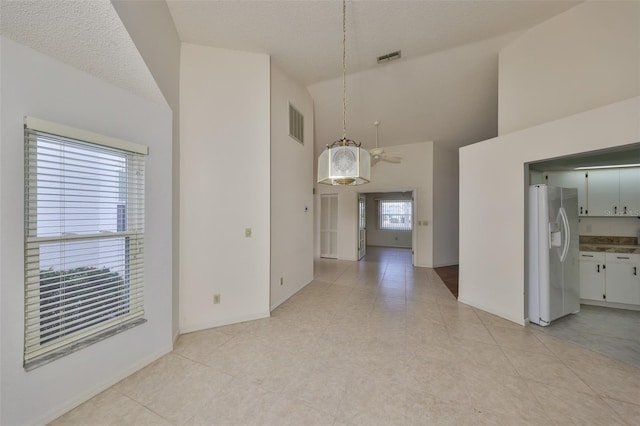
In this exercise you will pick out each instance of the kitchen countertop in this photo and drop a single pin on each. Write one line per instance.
(609, 244)
(609, 248)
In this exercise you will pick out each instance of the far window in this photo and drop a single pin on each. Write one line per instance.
(84, 242)
(395, 215)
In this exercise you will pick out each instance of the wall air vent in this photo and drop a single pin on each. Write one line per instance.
(296, 124)
(390, 57)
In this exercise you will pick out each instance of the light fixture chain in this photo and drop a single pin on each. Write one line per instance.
(344, 69)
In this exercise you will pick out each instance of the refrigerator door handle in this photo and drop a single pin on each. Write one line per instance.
(567, 234)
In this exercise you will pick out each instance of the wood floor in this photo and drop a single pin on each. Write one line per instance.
(449, 274)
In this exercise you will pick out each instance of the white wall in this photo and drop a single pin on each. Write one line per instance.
(385, 237)
(34, 84)
(615, 226)
(291, 190)
(492, 199)
(584, 58)
(224, 179)
(445, 206)
(151, 28)
(414, 173)
(450, 97)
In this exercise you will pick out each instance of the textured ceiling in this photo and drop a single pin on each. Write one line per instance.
(304, 38)
(87, 34)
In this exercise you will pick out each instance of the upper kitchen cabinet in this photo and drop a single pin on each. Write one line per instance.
(614, 192)
(630, 192)
(571, 179)
(604, 192)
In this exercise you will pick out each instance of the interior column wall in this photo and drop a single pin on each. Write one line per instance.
(224, 186)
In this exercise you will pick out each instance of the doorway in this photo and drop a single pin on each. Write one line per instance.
(602, 325)
(386, 219)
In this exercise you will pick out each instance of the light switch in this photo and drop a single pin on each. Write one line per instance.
(247, 232)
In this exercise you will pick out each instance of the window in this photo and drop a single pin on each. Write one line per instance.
(84, 239)
(395, 214)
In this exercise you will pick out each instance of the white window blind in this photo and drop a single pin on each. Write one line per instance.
(395, 214)
(84, 243)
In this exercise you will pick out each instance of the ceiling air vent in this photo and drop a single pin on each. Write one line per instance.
(390, 57)
(296, 124)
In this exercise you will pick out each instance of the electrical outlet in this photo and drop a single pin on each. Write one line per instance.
(216, 299)
(281, 280)
(247, 232)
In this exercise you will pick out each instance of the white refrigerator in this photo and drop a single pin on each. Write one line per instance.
(554, 274)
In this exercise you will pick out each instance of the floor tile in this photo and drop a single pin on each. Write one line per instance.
(111, 408)
(378, 342)
(174, 387)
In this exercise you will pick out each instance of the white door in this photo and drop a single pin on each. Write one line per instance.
(604, 192)
(329, 225)
(592, 276)
(630, 191)
(362, 227)
(622, 281)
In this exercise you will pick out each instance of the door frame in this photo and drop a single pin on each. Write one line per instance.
(414, 222)
(362, 251)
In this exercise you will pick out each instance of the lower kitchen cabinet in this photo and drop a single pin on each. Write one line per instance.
(610, 277)
(622, 283)
(592, 276)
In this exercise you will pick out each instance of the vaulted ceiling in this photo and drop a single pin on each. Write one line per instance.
(454, 43)
(304, 38)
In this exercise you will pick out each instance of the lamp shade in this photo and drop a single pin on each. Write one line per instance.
(344, 165)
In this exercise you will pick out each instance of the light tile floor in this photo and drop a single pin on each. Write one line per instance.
(376, 342)
(611, 332)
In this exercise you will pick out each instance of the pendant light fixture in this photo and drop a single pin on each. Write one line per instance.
(344, 162)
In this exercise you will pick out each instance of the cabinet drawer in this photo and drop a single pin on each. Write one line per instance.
(622, 257)
(594, 256)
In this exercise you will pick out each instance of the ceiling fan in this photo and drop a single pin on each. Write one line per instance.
(378, 154)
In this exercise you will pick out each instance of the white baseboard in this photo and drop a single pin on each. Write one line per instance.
(54, 414)
(519, 321)
(176, 334)
(443, 264)
(303, 285)
(610, 304)
(219, 323)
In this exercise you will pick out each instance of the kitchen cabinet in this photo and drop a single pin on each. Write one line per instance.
(571, 179)
(603, 187)
(602, 192)
(630, 192)
(610, 277)
(592, 276)
(614, 192)
(622, 284)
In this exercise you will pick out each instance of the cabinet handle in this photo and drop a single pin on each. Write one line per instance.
(580, 209)
(598, 268)
(586, 255)
(635, 270)
(615, 209)
(625, 209)
(622, 257)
